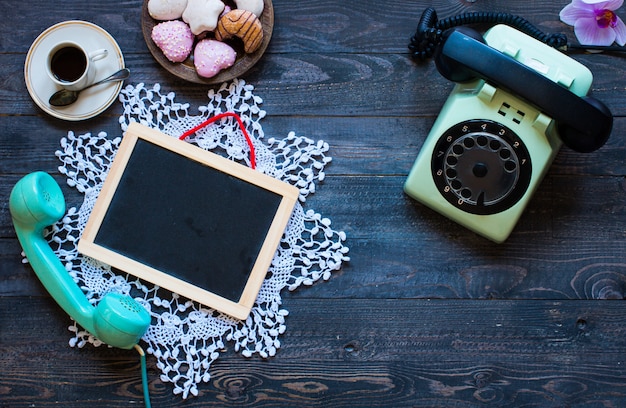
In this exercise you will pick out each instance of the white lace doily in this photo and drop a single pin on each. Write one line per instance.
(186, 337)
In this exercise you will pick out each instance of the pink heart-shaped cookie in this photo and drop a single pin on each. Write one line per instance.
(211, 56)
(174, 38)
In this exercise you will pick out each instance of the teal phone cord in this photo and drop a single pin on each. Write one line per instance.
(144, 375)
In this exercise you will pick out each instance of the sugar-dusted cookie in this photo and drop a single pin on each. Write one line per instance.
(254, 6)
(174, 38)
(202, 15)
(243, 24)
(166, 9)
(210, 57)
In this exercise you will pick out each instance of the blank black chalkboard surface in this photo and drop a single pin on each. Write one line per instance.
(188, 220)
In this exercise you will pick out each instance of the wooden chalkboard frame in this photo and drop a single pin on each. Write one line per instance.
(240, 309)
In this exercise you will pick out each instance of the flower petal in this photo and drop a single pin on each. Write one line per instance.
(620, 32)
(605, 4)
(585, 4)
(588, 33)
(570, 14)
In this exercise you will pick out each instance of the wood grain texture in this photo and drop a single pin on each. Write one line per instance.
(426, 314)
(512, 353)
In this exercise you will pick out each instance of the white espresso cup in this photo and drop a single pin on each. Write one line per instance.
(71, 66)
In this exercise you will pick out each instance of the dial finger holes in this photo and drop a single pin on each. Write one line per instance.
(481, 166)
(510, 166)
(495, 145)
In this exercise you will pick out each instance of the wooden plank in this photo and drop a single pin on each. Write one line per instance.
(410, 353)
(308, 25)
(304, 84)
(568, 244)
(387, 82)
(372, 145)
(312, 85)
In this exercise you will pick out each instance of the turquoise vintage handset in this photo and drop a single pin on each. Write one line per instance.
(36, 202)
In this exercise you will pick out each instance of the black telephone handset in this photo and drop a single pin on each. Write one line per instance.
(584, 124)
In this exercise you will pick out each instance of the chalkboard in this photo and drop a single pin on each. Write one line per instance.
(188, 220)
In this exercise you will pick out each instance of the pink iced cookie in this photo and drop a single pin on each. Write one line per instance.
(174, 38)
(211, 56)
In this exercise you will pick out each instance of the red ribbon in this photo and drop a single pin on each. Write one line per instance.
(221, 116)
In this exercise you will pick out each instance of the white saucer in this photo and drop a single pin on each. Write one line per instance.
(92, 101)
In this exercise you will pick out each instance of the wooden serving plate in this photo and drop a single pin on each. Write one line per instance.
(186, 69)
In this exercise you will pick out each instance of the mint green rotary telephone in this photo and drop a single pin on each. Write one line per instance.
(36, 202)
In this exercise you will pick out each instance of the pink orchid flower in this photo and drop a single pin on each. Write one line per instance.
(595, 21)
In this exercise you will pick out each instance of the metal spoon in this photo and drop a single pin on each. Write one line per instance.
(66, 97)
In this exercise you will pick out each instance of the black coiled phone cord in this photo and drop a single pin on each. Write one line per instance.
(430, 29)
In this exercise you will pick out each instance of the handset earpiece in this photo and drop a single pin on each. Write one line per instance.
(450, 68)
(585, 123)
(36, 202)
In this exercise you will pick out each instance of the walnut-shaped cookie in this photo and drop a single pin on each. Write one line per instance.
(242, 24)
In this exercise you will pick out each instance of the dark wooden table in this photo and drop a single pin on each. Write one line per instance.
(426, 313)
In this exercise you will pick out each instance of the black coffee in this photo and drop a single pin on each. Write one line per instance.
(68, 64)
